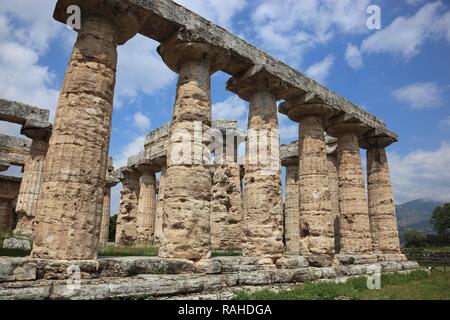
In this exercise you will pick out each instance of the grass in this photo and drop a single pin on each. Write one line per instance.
(111, 251)
(219, 253)
(395, 286)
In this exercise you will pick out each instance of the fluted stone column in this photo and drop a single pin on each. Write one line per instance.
(30, 187)
(126, 228)
(334, 195)
(291, 208)
(104, 229)
(355, 227)
(70, 204)
(160, 207)
(187, 194)
(382, 215)
(146, 206)
(316, 216)
(5, 214)
(263, 215)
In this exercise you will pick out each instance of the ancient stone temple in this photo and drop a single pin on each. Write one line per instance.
(189, 192)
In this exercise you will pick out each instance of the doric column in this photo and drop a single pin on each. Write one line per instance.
(160, 207)
(6, 215)
(146, 206)
(333, 181)
(382, 215)
(355, 229)
(187, 195)
(31, 181)
(315, 212)
(104, 230)
(126, 228)
(263, 216)
(70, 204)
(291, 209)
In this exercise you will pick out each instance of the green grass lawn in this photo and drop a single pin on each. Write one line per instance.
(416, 285)
(111, 251)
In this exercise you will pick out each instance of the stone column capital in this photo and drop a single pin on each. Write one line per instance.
(377, 138)
(343, 124)
(146, 169)
(126, 18)
(257, 79)
(296, 109)
(37, 130)
(186, 46)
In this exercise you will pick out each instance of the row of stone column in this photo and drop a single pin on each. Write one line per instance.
(334, 213)
(71, 201)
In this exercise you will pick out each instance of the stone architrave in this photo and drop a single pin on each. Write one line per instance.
(187, 194)
(70, 204)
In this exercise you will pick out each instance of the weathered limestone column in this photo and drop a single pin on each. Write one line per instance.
(291, 208)
(226, 204)
(6, 214)
(69, 209)
(355, 227)
(382, 215)
(160, 207)
(334, 191)
(31, 186)
(187, 195)
(315, 211)
(263, 216)
(104, 230)
(146, 206)
(126, 228)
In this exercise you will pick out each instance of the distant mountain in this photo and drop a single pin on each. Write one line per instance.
(416, 214)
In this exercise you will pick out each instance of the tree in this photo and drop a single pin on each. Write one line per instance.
(441, 219)
(112, 228)
(414, 238)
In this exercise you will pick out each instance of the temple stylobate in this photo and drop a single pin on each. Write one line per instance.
(190, 191)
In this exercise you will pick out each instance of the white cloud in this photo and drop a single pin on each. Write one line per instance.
(132, 148)
(289, 28)
(444, 124)
(232, 108)
(353, 56)
(140, 70)
(288, 129)
(141, 121)
(421, 174)
(26, 30)
(420, 95)
(405, 36)
(320, 70)
(219, 12)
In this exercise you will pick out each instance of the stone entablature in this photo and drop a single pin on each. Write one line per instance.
(14, 150)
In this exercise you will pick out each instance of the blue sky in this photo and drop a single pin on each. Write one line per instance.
(400, 73)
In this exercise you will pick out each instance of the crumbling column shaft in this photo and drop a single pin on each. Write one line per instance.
(70, 204)
(333, 181)
(146, 208)
(187, 192)
(316, 220)
(126, 227)
(355, 228)
(292, 219)
(30, 188)
(6, 214)
(383, 221)
(263, 226)
(104, 230)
